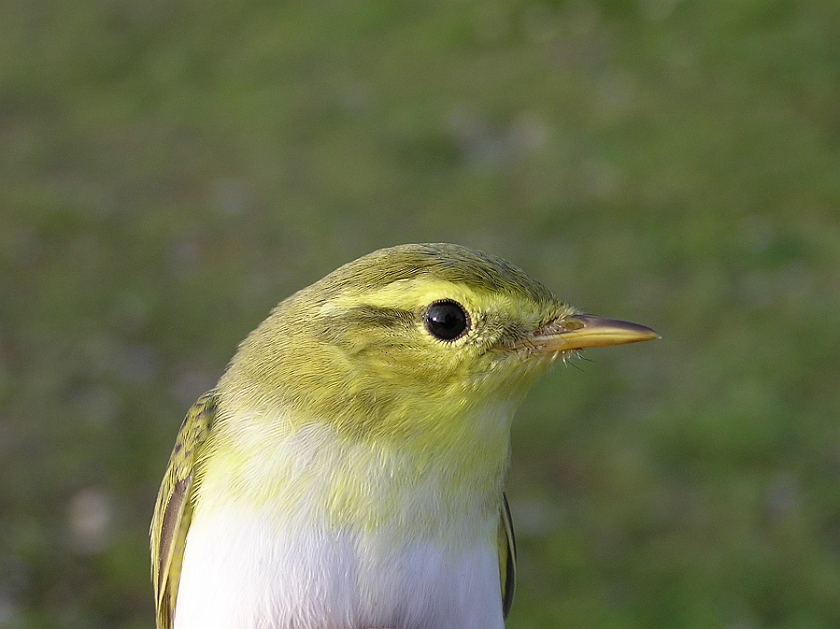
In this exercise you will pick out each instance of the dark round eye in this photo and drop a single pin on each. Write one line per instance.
(446, 320)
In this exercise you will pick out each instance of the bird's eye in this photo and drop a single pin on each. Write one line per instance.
(446, 320)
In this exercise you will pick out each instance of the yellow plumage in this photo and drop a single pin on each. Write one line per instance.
(370, 411)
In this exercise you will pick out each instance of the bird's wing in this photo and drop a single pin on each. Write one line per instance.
(174, 506)
(507, 555)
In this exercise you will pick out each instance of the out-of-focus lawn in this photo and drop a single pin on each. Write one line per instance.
(170, 170)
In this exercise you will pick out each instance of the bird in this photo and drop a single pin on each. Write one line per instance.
(348, 469)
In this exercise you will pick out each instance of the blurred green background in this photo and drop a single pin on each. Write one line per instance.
(169, 170)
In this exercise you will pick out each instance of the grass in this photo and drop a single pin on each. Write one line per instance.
(169, 171)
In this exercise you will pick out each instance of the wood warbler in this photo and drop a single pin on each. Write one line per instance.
(347, 472)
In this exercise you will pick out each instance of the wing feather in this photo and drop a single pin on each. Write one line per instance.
(173, 510)
(507, 556)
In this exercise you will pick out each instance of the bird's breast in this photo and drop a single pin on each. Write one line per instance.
(247, 568)
(317, 532)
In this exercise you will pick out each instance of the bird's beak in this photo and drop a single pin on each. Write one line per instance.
(581, 331)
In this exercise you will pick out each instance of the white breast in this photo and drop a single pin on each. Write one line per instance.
(276, 566)
(243, 571)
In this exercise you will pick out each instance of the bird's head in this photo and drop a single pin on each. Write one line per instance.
(411, 338)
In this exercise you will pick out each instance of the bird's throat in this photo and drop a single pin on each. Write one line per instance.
(421, 483)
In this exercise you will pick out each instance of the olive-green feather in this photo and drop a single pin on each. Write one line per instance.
(507, 556)
(174, 506)
(443, 261)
